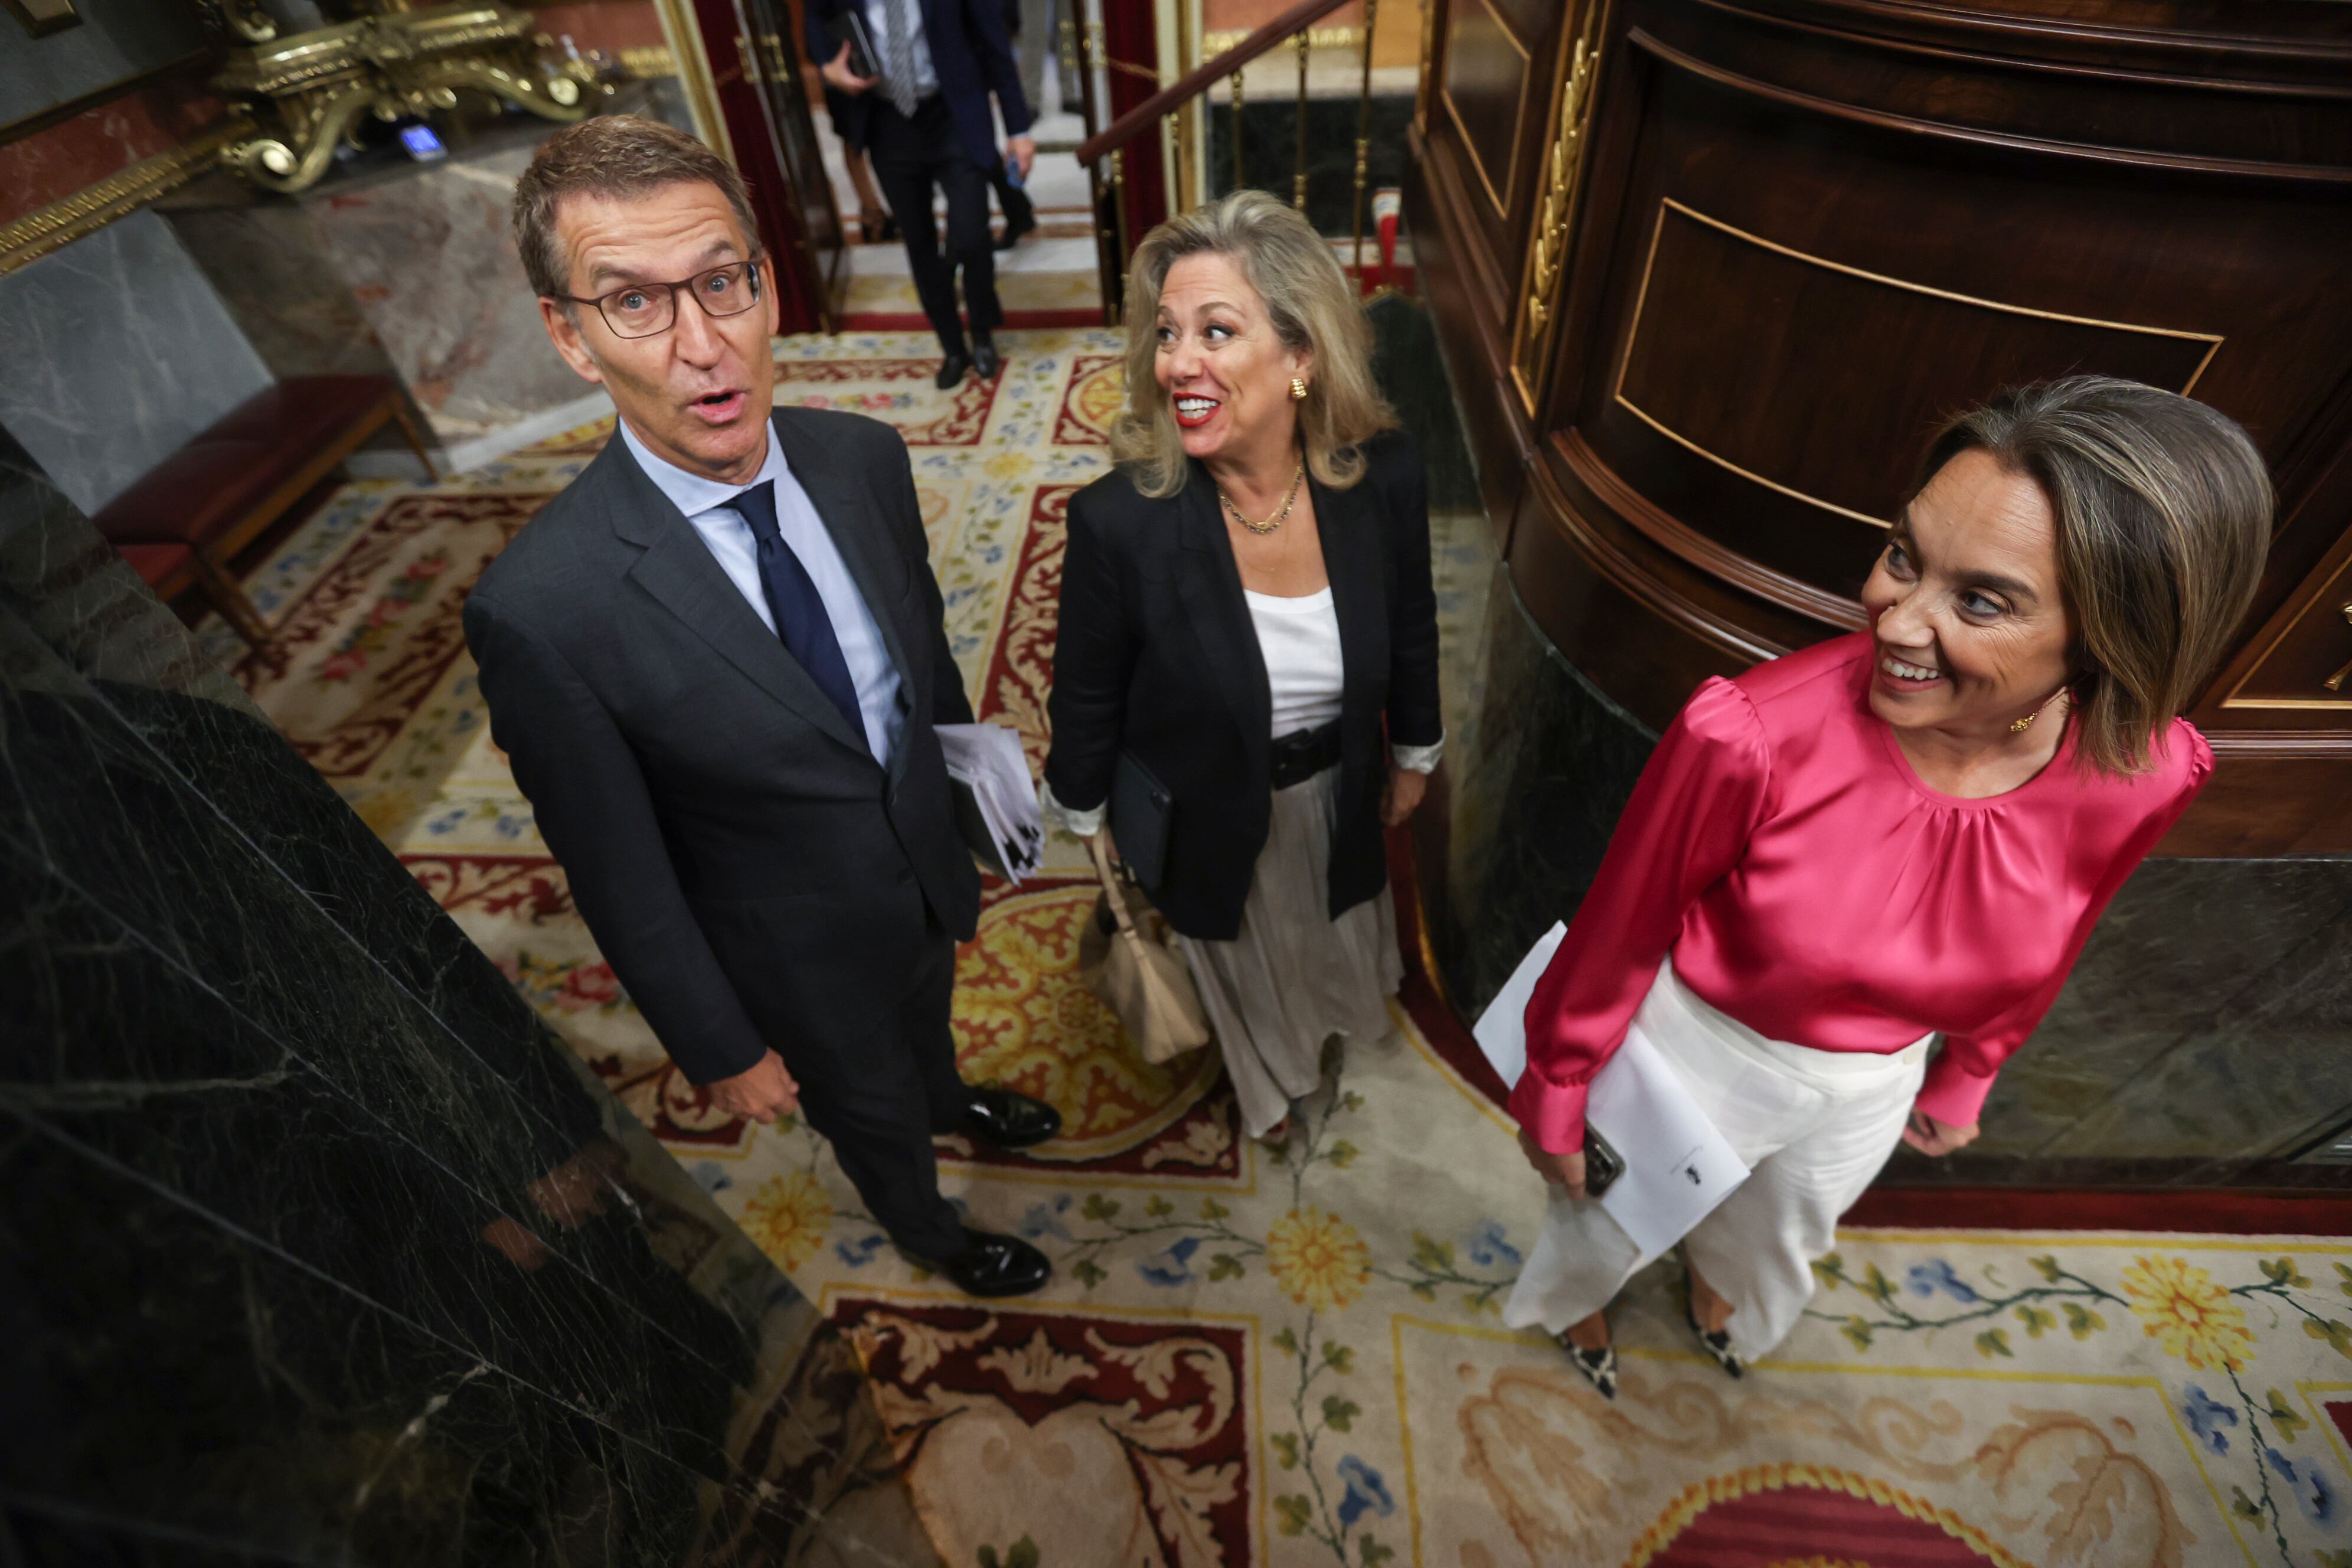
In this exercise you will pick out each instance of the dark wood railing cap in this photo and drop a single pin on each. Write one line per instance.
(1148, 113)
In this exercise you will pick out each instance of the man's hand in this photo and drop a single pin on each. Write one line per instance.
(1930, 1136)
(1403, 796)
(1022, 153)
(762, 1094)
(841, 78)
(1559, 1169)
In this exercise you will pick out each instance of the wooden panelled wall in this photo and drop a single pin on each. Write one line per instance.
(1708, 271)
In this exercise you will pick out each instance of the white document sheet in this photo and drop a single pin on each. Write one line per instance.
(1677, 1166)
(987, 760)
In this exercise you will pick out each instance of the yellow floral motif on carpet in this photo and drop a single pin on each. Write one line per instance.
(1318, 1260)
(789, 1216)
(2189, 1314)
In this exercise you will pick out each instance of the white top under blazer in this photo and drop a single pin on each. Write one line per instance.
(1300, 641)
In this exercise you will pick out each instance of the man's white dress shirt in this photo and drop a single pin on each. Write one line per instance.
(728, 537)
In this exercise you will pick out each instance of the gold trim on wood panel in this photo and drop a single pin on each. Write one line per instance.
(1527, 69)
(2337, 704)
(1641, 299)
(1427, 85)
(121, 194)
(695, 78)
(1539, 307)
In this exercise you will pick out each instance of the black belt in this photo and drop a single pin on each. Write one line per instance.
(1300, 756)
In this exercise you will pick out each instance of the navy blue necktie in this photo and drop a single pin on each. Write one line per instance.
(797, 606)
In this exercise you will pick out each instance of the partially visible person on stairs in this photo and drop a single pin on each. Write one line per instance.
(1247, 618)
(1906, 833)
(924, 122)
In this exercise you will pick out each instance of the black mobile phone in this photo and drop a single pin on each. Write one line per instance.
(849, 27)
(1603, 1165)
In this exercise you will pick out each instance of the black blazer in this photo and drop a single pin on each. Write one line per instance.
(971, 55)
(1156, 656)
(753, 873)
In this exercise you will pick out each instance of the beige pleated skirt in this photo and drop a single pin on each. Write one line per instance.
(1294, 976)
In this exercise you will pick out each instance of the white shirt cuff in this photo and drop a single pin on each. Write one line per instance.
(1083, 824)
(1419, 759)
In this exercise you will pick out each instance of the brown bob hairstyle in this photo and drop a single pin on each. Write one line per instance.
(2164, 517)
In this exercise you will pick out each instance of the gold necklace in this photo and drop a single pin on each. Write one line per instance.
(2019, 726)
(1277, 518)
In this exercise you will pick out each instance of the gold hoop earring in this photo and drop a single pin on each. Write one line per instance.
(1297, 390)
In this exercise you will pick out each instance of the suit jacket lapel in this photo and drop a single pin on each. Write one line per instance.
(1211, 591)
(1351, 560)
(678, 570)
(846, 505)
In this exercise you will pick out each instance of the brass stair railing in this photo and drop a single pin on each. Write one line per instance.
(1104, 152)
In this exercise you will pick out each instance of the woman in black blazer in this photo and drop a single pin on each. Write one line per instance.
(1247, 613)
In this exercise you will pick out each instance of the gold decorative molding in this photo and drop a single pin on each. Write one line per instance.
(2326, 593)
(695, 75)
(650, 61)
(306, 92)
(1538, 312)
(118, 195)
(1427, 85)
(2212, 341)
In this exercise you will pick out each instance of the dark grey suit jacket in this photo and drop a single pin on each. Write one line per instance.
(753, 873)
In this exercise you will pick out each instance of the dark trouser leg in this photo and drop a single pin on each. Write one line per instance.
(905, 175)
(878, 1105)
(969, 245)
(924, 1024)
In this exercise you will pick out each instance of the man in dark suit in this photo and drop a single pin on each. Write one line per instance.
(925, 122)
(715, 662)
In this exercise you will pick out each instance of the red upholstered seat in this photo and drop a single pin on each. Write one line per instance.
(156, 562)
(195, 495)
(196, 509)
(302, 411)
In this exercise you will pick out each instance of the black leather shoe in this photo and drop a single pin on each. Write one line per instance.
(951, 369)
(1010, 1121)
(992, 1265)
(984, 359)
(1014, 231)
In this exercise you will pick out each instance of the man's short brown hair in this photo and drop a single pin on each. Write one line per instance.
(615, 156)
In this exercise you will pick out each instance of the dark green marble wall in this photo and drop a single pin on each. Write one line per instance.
(314, 1245)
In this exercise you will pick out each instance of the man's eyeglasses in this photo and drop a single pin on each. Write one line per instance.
(647, 309)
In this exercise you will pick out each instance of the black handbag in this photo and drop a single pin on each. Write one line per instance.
(1140, 808)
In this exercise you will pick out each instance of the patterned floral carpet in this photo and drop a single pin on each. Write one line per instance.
(1296, 1356)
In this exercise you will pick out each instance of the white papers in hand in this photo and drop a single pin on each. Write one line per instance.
(987, 760)
(1677, 1166)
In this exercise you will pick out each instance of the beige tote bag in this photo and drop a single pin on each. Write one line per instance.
(1138, 972)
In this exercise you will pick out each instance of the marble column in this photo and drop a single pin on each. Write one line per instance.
(113, 351)
(314, 1245)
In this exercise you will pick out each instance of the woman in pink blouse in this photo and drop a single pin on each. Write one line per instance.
(1902, 835)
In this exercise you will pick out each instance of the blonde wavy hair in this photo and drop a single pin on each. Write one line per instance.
(1313, 308)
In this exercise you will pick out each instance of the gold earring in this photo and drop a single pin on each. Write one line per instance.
(1297, 390)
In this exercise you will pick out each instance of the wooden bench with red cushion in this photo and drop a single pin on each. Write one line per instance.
(215, 495)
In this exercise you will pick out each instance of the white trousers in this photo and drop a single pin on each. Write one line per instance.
(1813, 1128)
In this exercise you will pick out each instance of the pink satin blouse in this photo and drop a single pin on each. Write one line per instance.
(1807, 883)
